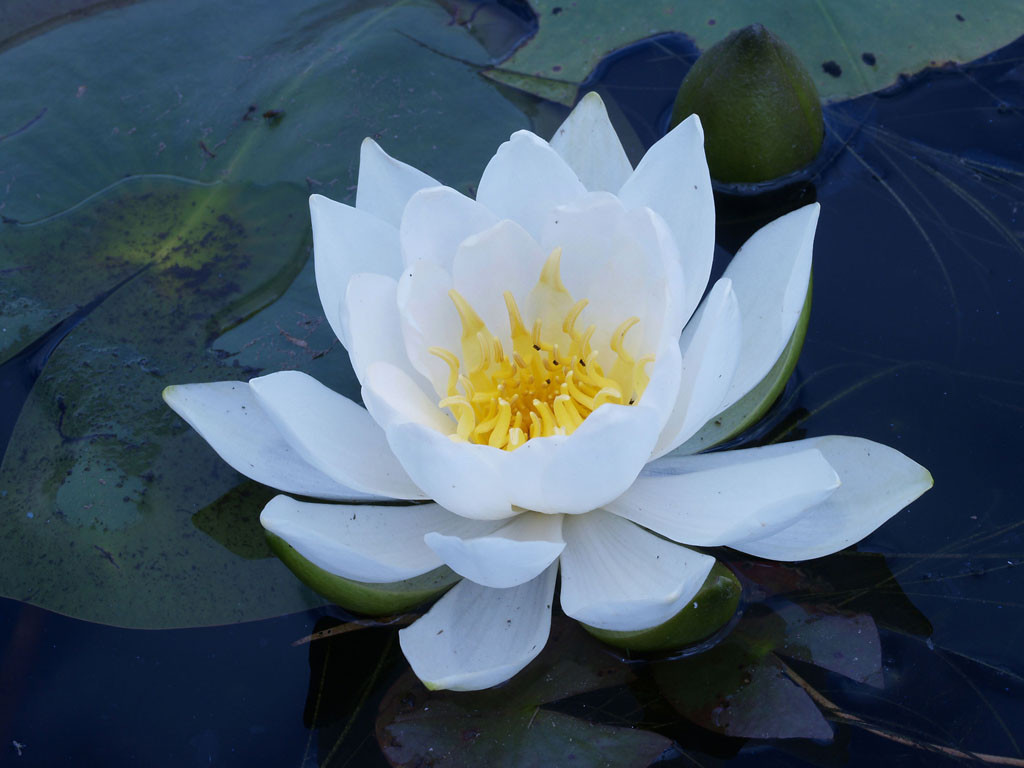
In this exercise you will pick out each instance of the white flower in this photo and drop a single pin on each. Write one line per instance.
(527, 360)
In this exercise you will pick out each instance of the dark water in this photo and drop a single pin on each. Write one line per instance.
(915, 341)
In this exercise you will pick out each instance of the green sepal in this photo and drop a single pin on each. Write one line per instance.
(758, 105)
(746, 411)
(710, 610)
(364, 597)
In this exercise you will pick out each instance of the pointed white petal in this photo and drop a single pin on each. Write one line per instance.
(769, 275)
(428, 318)
(364, 542)
(333, 434)
(588, 143)
(502, 258)
(577, 473)
(710, 346)
(385, 184)
(458, 476)
(525, 179)
(508, 557)
(375, 327)
(757, 494)
(672, 179)
(392, 397)
(347, 241)
(436, 220)
(228, 416)
(877, 482)
(614, 260)
(617, 576)
(477, 637)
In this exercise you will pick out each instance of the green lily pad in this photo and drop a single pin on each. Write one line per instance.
(711, 609)
(510, 726)
(170, 187)
(849, 48)
(360, 596)
(742, 688)
(748, 410)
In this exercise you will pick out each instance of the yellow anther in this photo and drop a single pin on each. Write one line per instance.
(569, 325)
(551, 274)
(548, 382)
(537, 338)
(619, 336)
(640, 377)
(547, 418)
(607, 395)
(536, 427)
(500, 433)
(465, 414)
(453, 366)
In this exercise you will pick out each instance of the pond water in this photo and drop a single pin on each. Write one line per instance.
(906, 649)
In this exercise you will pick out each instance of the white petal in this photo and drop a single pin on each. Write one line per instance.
(385, 185)
(428, 319)
(758, 494)
(588, 143)
(525, 179)
(228, 416)
(347, 241)
(877, 482)
(510, 556)
(672, 179)
(580, 472)
(363, 542)
(392, 397)
(769, 275)
(476, 637)
(502, 258)
(333, 434)
(458, 476)
(436, 220)
(374, 326)
(710, 346)
(617, 576)
(612, 258)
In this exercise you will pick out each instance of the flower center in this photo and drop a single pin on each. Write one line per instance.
(552, 379)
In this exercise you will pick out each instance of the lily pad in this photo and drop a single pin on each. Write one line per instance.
(171, 189)
(742, 688)
(849, 48)
(510, 726)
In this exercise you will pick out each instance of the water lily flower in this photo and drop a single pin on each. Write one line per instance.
(530, 362)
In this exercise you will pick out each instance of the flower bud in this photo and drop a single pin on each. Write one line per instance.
(758, 105)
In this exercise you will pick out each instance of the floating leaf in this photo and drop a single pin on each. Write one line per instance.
(108, 503)
(741, 688)
(849, 48)
(508, 726)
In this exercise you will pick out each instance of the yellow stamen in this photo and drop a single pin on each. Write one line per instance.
(550, 380)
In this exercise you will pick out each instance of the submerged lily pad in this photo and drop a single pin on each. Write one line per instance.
(849, 48)
(111, 508)
(742, 688)
(510, 726)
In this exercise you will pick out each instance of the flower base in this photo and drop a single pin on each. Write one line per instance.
(363, 597)
(710, 610)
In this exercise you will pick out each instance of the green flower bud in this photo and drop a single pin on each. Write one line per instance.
(758, 105)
